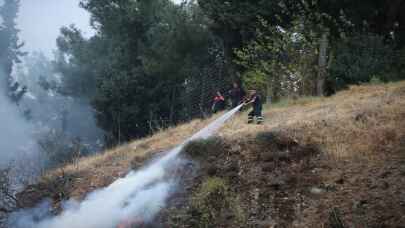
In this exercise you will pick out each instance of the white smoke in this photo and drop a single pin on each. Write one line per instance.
(16, 135)
(136, 195)
(139, 196)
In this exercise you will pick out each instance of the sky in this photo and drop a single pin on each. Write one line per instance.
(40, 25)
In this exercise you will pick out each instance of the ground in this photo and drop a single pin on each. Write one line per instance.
(315, 162)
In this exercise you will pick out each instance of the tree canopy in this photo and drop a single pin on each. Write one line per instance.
(154, 63)
(10, 47)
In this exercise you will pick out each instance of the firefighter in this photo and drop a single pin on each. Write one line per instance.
(236, 94)
(256, 101)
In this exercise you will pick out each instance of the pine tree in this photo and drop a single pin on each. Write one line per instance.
(10, 47)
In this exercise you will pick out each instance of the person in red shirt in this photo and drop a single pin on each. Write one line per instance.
(218, 103)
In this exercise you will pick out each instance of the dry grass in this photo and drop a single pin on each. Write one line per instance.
(101, 169)
(364, 121)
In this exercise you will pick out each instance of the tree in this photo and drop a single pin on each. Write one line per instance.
(235, 21)
(361, 58)
(325, 25)
(144, 63)
(10, 47)
(280, 61)
(79, 61)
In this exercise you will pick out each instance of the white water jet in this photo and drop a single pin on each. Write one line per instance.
(140, 195)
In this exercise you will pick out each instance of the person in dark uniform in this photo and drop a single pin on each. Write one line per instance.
(257, 105)
(236, 94)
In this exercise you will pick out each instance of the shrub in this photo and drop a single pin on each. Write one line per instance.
(214, 204)
(204, 148)
(360, 58)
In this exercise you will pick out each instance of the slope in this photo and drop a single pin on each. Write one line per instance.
(331, 162)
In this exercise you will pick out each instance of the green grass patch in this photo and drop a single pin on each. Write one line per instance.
(205, 147)
(214, 205)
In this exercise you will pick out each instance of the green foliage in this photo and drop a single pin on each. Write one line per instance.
(150, 65)
(213, 202)
(203, 148)
(235, 20)
(280, 59)
(376, 17)
(79, 61)
(10, 46)
(255, 79)
(153, 63)
(361, 58)
(281, 38)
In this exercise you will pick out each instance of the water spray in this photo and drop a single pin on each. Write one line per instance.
(141, 194)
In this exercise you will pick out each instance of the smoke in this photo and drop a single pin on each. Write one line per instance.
(19, 136)
(73, 117)
(16, 135)
(49, 110)
(138, 197)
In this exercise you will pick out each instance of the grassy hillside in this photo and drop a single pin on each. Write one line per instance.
(316, 162)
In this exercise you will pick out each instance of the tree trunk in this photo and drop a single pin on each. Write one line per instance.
(323, 48)
(172, 104)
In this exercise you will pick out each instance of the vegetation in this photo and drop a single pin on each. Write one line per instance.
(359, 135)
(145, 78)
(202, 148)
(10, 47)
(214, 202)
(155, 64)
(166, 69)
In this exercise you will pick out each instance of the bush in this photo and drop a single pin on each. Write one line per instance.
(361, 58)
(204, 148)
(215, 205)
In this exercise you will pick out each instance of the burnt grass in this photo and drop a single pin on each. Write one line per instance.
(258, 182)
(268, 180)
(273, 180)
(334, 163)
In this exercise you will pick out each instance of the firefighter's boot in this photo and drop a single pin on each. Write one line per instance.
(260, 120)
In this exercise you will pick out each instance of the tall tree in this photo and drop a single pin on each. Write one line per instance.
(142, 66)
(10, 47)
